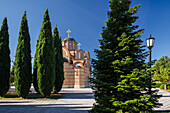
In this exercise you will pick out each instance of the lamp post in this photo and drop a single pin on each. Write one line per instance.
(150, 42)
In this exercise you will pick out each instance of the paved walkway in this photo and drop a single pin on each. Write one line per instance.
(74, 101)
(165, 100)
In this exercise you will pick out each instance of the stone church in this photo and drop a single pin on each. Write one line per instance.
(76, 64)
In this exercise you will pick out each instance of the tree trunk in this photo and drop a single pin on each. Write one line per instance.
(165, 86)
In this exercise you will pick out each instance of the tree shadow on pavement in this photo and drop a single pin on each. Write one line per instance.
(44, 108)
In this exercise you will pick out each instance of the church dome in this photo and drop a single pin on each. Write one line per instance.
(69, 38)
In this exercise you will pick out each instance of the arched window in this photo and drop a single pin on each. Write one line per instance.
(77, 55)
(78, 66)
(65, 59)
(81, 56)
(66, 44)
(73, 46)
(77, 73)
(69, 45)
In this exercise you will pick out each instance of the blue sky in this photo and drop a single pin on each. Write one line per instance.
(85, 18)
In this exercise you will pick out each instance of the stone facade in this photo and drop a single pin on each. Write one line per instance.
(76, 64)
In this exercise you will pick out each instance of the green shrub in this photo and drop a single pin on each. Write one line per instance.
(156, 85)
(168, 87)
(162, 86)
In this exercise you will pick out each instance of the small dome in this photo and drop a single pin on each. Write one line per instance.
(69, 38)
(86, 53)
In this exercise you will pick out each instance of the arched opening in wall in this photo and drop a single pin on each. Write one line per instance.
(66, 44)
(73, 46)
(71, 61)
(70, 45)
(65, 59)
(78, 55)
(77, 73)
(78, 66)
(81, 57)
(74, 55)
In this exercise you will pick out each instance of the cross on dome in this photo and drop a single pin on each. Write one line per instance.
(79, 45)
(68, 32)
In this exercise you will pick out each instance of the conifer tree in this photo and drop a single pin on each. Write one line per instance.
(22, 65)
(35, 82)
(44, 63)
(61, 63)
(4, 58)
(59, 75)
(118, 80)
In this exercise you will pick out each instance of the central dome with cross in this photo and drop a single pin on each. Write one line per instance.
(70, 43)
(69, 38)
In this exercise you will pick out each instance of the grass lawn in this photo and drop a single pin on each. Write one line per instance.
(167, 90)
(31, 96)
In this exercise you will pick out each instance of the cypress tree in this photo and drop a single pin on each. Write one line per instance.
(61, 63)
(35, 82)
(44, 63)
(22, 65)
(59, 73)
(4, 58)
(118, 80)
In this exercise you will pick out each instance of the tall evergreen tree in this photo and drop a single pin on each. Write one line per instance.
(59, 73)
(44, 63)
(35, 82)
(22, 68)
(116, 86)
(61, 63)
(4, 58)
